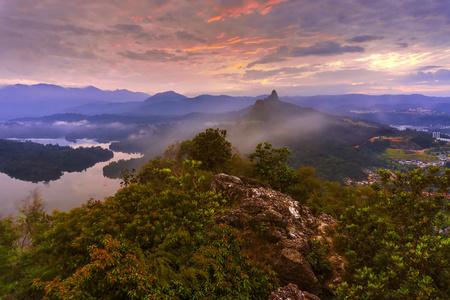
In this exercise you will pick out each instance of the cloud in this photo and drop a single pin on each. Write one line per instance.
(188, 36)
(105, 43)
(350, 76)
(129, 28)
(153, 55)
(266, 60)
(426, 68)
(262, 74)
(364, 38)
(236, 8)
(441, 76)
(324, 48)
(402, 45)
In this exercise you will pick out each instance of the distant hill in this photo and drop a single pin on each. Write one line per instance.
(165, 96)
(324, 141)
(168, 103)
(45, 99)
(344, 104)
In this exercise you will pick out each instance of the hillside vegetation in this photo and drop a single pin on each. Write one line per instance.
(160, 236)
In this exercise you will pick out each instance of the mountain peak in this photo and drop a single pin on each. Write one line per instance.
(263, 108)
(273, 98)
(165, 96)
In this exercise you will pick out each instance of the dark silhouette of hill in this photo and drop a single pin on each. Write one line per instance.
(200, 104)
(169, 103)
(165, 96)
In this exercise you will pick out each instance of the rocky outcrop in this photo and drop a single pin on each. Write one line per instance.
(280, 230)
(272, 99)
(291, 292)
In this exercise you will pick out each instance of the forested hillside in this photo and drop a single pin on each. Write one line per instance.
(168, 235)
(35, 162)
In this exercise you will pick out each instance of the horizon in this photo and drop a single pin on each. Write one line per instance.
(234, 47)
(212, 94)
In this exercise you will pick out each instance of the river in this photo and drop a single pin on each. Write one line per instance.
(70, 191)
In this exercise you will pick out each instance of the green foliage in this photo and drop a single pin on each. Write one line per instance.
(157, 239)
(8, 254)
(240, 167)
(150, 243)
(115, 168)
(272, 165)
(19, 237)
(33, 221)
(328, 197)
(306, 185)
(212, 149)
(393, 247)
(318, 258)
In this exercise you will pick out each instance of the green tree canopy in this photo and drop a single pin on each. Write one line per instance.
(272, 165)
(393, 247)
(147, 243)
(212, 149)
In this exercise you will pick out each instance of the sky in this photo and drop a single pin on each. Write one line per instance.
(233, 47)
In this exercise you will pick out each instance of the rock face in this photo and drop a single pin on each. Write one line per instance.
(291, 292)
(281, 230)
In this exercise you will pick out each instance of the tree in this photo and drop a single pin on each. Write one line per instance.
(149, 244)
(212, 149)
(8, 254)
(271, 165)
(19, 237)
(34, 220)
(394, 248)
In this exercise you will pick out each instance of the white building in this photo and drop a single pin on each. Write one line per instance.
(436, 135)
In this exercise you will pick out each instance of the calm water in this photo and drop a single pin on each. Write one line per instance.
(71, 190)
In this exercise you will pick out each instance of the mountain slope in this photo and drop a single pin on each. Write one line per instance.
(326, 142)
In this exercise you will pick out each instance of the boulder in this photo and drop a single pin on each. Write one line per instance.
(291, 292)
(279, 230)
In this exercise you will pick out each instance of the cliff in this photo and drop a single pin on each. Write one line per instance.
(281, 233)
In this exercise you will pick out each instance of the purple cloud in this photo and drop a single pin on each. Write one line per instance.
(364, 38)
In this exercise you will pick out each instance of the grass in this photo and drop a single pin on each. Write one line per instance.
(360, 123)
(398, 154)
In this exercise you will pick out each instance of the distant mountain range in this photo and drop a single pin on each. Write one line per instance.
(44, 99)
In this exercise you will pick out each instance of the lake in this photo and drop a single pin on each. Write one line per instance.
(71, 190)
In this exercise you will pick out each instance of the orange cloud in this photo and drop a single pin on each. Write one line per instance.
(213, 19)
(136, 19)
(259, 41)
(203, 48)
(220, 36)
(248, 7)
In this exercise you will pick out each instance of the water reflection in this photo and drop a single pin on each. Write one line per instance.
(71, 190)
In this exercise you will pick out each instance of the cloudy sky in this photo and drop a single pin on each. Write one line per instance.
(235, 47)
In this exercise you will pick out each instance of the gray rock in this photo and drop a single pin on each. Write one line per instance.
(280, 228)
(291, 292)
